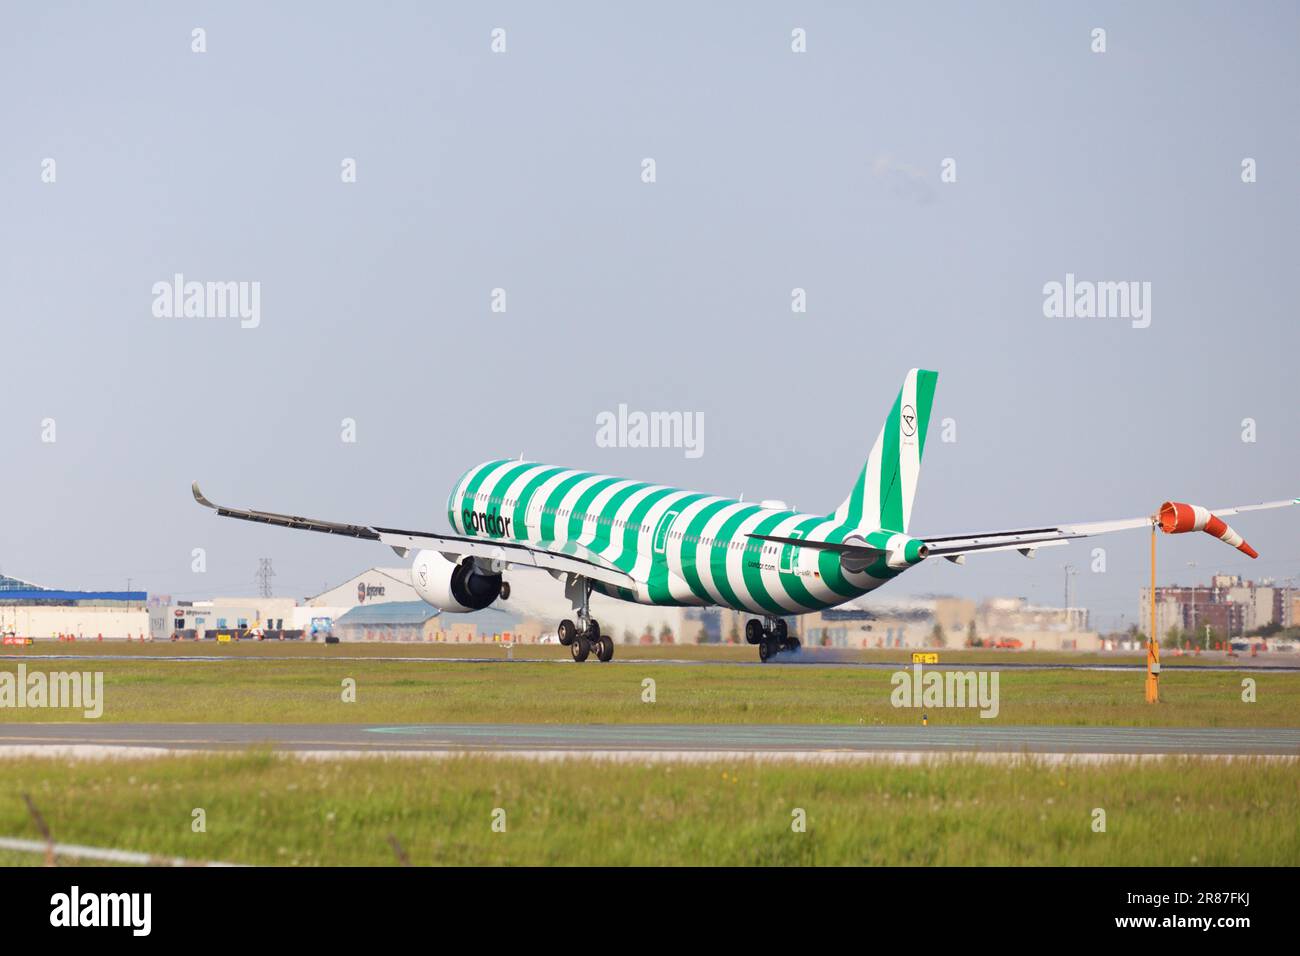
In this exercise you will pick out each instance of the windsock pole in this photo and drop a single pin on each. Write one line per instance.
(1153, 648)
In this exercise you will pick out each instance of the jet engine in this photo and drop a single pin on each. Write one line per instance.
(900, 551)
(451, 586)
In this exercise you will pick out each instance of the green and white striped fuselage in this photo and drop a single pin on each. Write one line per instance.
(682, 548)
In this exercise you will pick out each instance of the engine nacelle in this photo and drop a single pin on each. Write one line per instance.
(900, 551)
(453, 587)
(903, 552)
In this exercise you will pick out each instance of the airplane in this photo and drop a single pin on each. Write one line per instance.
(657, 545)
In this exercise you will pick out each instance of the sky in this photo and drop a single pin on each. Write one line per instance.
(524, 170)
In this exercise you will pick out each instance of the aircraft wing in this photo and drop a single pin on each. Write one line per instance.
(1029, 539)
(516, 553)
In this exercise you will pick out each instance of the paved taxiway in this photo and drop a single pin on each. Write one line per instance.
(680, 739)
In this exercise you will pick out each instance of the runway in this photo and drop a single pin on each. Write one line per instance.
(687, 741)
(804, 659)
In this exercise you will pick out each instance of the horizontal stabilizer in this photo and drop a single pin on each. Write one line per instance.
(851, 550)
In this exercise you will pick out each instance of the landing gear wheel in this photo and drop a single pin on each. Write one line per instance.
(605, 648)
(566, 632)
(754, 631)
(793, 645)
(767, 650)
(580, 647)
(505, 590)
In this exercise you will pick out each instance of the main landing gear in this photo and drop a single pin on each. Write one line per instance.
(772, 637)
(584, 637)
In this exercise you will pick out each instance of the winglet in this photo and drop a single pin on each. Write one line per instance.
(198, 496)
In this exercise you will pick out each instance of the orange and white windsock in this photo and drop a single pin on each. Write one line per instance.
(1176, 517)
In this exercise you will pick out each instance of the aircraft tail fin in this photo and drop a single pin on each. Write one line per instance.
(882, 496)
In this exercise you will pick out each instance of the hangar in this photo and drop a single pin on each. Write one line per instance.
(31, 610)
(371, 586)
(418, 621)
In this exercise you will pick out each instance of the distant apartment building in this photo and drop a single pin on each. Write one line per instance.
(1229, 606)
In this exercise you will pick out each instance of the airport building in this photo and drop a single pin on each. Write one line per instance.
(1005, 621)
(380, 604)
(372, 586)
(30, 610)
(418, 621)
(234, 616)
(948, 622)
(869, 624)
(388, 621)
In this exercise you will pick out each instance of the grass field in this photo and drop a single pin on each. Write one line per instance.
(268, 809)
(310, 690)
(736, 653)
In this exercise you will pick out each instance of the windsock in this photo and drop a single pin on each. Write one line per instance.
(1176, 517)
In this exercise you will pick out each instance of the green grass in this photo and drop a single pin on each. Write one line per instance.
(309, 690)
(269, 809)
(494, 651)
